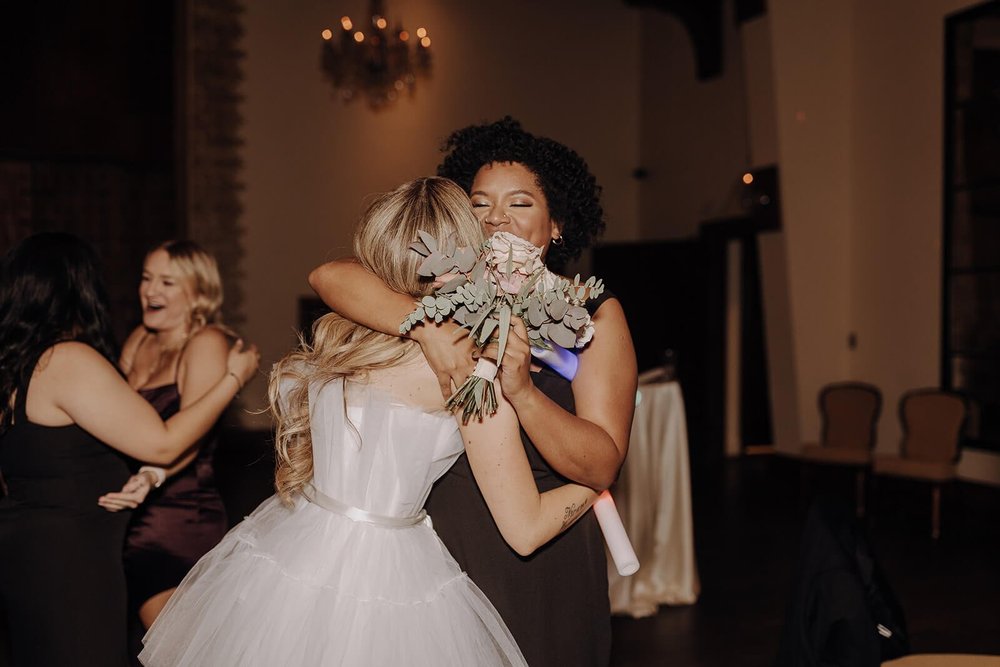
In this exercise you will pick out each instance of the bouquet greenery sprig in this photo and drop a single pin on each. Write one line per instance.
(483, 290)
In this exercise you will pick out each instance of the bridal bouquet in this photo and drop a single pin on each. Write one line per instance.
(483, 290)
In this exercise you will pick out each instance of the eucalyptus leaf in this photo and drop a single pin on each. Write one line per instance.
(529, 284)
(480, 318)
(576, 317)
(419, 247)
(478, 271)
(536, 314)
(453, 285)
(562, 336)
(443, 304)
(504, 330)
(428, 267)
(428, 240)
(465, 259)
(489, 326)
(557, 308)
(443, 264)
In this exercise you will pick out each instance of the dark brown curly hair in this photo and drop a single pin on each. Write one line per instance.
(571, 191)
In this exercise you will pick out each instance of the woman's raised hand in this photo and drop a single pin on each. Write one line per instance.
(243, 361)
(131, 496)
(448, 350)
(515, 367)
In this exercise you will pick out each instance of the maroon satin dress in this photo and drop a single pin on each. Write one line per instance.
(179, 522)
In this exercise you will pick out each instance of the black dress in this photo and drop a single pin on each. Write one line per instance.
(61, 578)
(179, 522)
(555, 602)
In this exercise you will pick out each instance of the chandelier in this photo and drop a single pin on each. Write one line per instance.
(375, 61)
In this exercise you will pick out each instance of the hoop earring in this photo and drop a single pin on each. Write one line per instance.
(557, 240)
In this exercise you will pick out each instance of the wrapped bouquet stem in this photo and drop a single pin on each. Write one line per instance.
(477, 395)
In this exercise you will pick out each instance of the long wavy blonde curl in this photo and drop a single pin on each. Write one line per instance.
(343, 349)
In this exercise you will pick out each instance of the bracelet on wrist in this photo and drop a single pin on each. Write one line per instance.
(239, 385)
(159, 475)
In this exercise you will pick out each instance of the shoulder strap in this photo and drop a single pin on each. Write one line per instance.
(21, 400)
(594, 304)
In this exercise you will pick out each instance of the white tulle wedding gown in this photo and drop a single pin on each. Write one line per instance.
(366, 583)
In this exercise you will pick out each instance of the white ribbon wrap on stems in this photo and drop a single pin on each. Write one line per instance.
(486, 369)
(565, 363)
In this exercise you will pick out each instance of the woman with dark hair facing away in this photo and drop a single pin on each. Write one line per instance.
(172, 358)
(341, 566)
(67, 420)
(555, 601)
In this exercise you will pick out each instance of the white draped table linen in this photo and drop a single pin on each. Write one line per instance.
(653, 495)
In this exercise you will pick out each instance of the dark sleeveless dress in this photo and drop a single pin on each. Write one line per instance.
(61, 578)
(179, 522)
(555, 602)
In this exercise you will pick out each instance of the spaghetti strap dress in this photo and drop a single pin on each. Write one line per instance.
(179, 522)
(61, 577)
(555, 602)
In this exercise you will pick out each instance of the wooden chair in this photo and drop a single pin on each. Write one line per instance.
(849, 412)
(932, 422)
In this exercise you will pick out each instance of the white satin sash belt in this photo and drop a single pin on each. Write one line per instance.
(317, 497)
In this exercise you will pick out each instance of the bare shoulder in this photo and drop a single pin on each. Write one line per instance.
(209, 341)
(611, 311)
(72, 351)
(70, 360)
(411, 382)
(608, 362)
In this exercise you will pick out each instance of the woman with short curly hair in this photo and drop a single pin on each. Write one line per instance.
(555, 601)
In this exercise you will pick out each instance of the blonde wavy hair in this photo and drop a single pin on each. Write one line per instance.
(343, 349)
(199, 272)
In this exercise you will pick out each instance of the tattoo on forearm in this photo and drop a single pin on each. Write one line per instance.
(572, 512)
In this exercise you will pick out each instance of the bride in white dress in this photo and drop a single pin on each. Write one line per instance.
(342, 566)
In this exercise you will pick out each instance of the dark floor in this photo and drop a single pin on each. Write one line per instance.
(748, 517)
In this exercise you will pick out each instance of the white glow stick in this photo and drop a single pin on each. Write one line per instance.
(622, 553)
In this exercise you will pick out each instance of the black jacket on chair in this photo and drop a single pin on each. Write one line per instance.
(842, 611)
